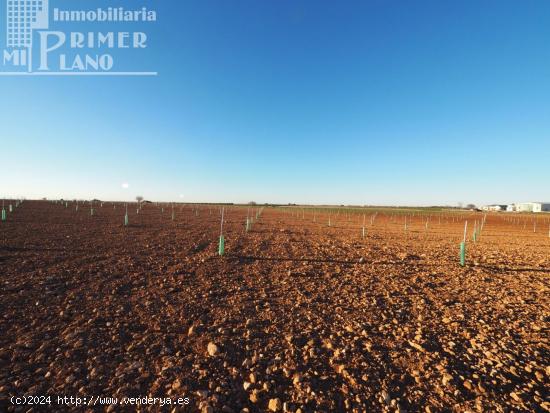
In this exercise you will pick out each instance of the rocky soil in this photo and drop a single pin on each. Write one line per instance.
(296, 317)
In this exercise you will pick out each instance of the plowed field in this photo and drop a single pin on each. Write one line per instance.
(296, 316)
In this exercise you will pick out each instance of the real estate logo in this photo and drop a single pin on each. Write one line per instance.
(38, 43)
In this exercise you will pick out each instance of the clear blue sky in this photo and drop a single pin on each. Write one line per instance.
(354, 102)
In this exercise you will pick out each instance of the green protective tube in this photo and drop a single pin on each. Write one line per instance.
(221, 249)
(475, 236)
(126, 220)
(3, 214)
(462, 254)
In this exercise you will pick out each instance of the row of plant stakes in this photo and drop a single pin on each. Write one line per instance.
(317, 214)
(11, 208)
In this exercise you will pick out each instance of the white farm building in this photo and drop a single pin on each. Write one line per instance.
(493, 208)
(530, 207)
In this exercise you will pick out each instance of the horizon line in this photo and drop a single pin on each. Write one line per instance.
(290, 204)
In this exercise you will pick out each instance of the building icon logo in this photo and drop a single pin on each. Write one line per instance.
(38, 42)
(23, 16)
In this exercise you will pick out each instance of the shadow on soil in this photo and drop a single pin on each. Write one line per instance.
(291, 259)
(311, 260)
(38, 249)
(501, 270)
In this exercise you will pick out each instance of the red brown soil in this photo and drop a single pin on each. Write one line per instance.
(312, 315)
